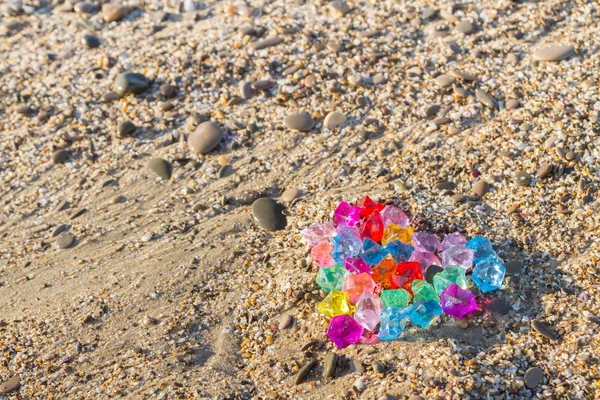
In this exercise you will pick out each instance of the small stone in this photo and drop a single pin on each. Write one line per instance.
(359, 385)
(268, 42)
(114, 12)
(263, 85)
(126, 128)
(84, 7)
(304, 371)
(544, 171)
(334, 119)
(10, 385)
(522, 178)
(357, 366)
(65, 240)
(161, 168)
(60, 156)
(485, 99)
(512, 58)
(543, 330)
(130, 82)
(90, 41)
(339, 8)
(268, 214)
(329, 365)
(290, 194)
(205, 138)
(554, 53)
(444, 80)
(533, 377)
(118, 199)
(167, 90)
(428, 12)
(24, 109)
(511, 104)
(432, 271)
(514, 267)
(302, 122)
(463, 75)
(481, 188)
(465, 27)
(285, 321)
(247, 196)
(59, 229)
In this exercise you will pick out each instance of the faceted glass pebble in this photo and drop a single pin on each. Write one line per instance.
(425, 312)
(372, 252)
(345, 245)
(356, 265)
(317, 233)
(425, 242)
(396, 232)
(453, 239)
(482, 247)
(423, 291)
(368, 206)
(488, 274)
(368, 337)
(393, 215)
(344, 330)
(321, 255)
(406, 272)
(336, 303)
(398, 298)
(372, 227)
(356, 285)
(331, 278)
(345, 214)
(368, 311)
(383, 271)
(457, 302)
(458, 255)
(393, 322)
(398, 250)
(425, 258)
(452, 274)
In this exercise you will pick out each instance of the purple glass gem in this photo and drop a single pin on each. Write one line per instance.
(393, 215)
(317, 233)
(425, 258)
(453, 239)
(345, 214)
(458, 255)
(344, 330)
(357, 265)
(368, 310)
(425, 242)
(457, 302)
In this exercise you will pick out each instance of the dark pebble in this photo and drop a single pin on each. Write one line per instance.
(304, 371)
(91, 41)
(161, 168)
(543, 330)
(60, 156)
(126, 128)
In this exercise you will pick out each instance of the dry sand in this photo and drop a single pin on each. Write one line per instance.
(173, 291)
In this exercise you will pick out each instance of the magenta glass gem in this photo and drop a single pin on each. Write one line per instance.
(426, 242)
(344, 330)
(393, 215)
(457, 302)
(345, 214)
(357, 265)
(453, 239)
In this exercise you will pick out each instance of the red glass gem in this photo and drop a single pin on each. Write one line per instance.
(372, 227)
(368, 206)
(406, 272)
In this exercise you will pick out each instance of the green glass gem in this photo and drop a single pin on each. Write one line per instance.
(399, 298)
(452, 274)
(332, 278)
(424, 291)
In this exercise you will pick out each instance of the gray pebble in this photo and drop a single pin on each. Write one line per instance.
(481, 188)
(522, 178)
(263, 85)
(90, 41)
(444, 80)
(357, 366)
(167, 90)
(511, 104)
(554, 53)
(24, 109)
(334, 119)
(246, 91)
(464, 27)
(126, 128)
(544, 171)
(304, 371)
(285, 321)
(268, 42)
(514, 267)
(85, 7)
(10, 385)
(161, 167)
(59, 229)
(329, 365)
(485, 99)
(302, 122)
(205, 138)
(60, 156)
(269, 214)
(65, 240)
(463, 75)
(543, 330)
(130, 82)
(290, 194)
(533, 377)
(247, 196)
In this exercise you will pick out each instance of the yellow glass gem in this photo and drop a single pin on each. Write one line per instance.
(336, 303)
(396, 232)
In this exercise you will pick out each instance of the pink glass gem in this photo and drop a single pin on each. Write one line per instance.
(344, 330)
(453, 239)
(321, 255)
(459, 256)
(345, 214)
(425, 242)
(356, 285)
(425, 258)
(457, 302)
(393, 215)
(372, 227)
(317, 233)
(369, 337)
(357, 265)
(368, 311)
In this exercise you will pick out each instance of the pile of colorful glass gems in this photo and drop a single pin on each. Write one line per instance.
(379, 274)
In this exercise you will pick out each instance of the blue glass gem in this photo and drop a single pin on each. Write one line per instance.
(372, 252)
(482, 247)
(489, 274)
(393, 322)
(398, 250)
(425, 312)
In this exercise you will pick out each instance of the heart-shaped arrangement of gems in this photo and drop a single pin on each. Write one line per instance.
(372, 265)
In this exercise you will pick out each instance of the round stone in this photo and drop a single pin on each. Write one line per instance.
(533, 377)
(65, 240)
(167, 90)
(60, 156)
(290, 194)
(263, 85)
(463, 75)
(514, 267)
(485, 99)
(464, 27)
(85, 7)
(544, 170)
(90, 41)
(161, 168)
(543, 330)
(269, 214)
(113, 12)
(511, 104)
(118, 199)
(59, 229)
(246, 91)
(522, 178)
(247, 196)
(334, 119)
(444, 80)
(130, 82)
(554, 53)
(302, 122)
(126, 128)
(10, 385)
(481, 188)
(432, 271)
(205, 138)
